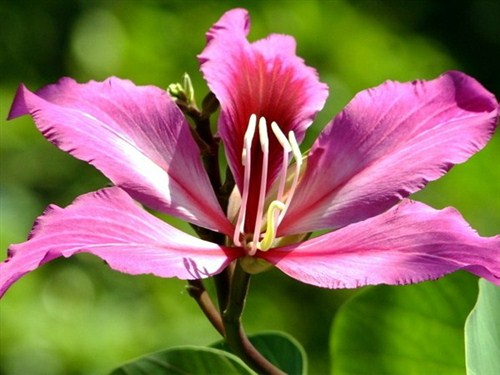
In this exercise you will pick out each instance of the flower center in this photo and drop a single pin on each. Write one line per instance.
(276, 209)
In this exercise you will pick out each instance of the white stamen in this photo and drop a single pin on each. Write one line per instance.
(248, 139)
(264, 144)
(295, 148)
(246, 161)
(278, 206)
(284, 166)
(298, 164)
(281, 137)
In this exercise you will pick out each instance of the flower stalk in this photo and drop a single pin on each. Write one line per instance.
(235, 336)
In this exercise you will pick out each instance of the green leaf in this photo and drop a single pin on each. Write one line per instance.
(186, 360)
(281, 349)
(414, 329)
(482, 332)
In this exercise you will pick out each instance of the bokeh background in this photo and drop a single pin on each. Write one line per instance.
(78, 317)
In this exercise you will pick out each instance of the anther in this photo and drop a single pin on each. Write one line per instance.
(248, 139)
(281, 137)
(286, 150)
(298, 164)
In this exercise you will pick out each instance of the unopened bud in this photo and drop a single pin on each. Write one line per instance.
(187, 85)
(176, 91)
(183, 92)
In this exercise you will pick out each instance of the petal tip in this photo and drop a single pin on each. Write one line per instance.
(235, 21)
(18, 107)
(470, 95)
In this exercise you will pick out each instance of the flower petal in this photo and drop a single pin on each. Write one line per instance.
(110, 225)
(135, 135)
(407, 244)
(265, 78)
(388, 143)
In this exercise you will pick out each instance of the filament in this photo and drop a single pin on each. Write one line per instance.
(246, 160)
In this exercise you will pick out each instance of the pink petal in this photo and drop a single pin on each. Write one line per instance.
(388, 143)
(265, 78)
(135, 135)
(407, 244)
(110, 225)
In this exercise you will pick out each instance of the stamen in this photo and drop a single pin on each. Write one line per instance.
(264, 144)
(278, 207)
(298, 164)
(271, 226)
(248, 139)
(246, 161)
(284, 166)
(295, 148)
(281, 137)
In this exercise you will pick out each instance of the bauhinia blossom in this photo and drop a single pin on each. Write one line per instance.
(385, 145)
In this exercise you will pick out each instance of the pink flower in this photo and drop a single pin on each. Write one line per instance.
(386, 144)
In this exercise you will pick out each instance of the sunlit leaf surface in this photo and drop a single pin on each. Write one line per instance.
(415, 329)
(482, 332)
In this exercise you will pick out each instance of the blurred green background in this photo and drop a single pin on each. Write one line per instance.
(78, 317)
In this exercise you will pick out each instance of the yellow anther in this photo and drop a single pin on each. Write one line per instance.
(271, 226)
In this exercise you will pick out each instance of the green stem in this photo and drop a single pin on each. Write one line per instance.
(222, 283)
(236, 338)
